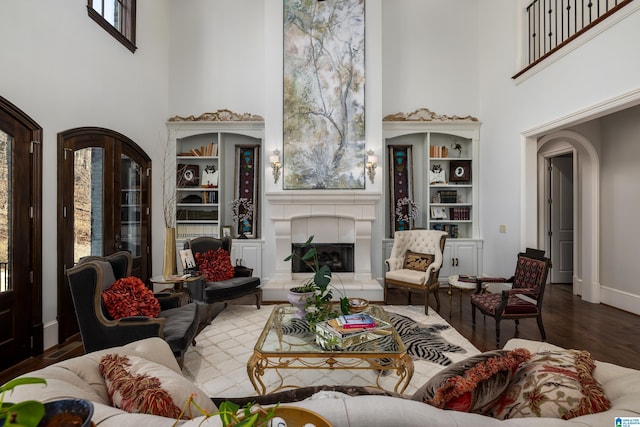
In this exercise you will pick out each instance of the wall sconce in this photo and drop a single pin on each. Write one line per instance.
(372, 163)
(274, 159)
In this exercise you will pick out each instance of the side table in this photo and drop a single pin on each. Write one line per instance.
(463, 284)
(177, 286)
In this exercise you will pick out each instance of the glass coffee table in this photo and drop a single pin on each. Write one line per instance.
(287, 342)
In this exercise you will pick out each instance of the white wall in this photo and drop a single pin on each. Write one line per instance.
(507, 109)
(65, 71)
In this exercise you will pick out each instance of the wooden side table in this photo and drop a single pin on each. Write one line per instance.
(463, 285)
(177, 286)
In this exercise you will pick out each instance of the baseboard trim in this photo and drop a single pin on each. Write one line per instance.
(620, 299)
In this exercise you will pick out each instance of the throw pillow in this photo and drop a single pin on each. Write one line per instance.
(473, 384)
(215, 265)
(417, 261)
(130, 297)
(138, 385)
(555, 384)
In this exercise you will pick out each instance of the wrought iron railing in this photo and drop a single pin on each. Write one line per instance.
(554, 23)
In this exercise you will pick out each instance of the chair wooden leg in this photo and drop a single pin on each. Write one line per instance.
(497, 333)
(385, 287)
(258, 298)
(542, 333)
(473, 314)
(426, 302)
(437, 295)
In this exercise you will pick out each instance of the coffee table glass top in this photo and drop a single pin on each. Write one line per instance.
(284, 333)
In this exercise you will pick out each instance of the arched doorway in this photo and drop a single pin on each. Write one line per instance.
(586, 257)
(104, 197)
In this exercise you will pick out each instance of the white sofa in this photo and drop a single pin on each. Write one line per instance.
(80, 378)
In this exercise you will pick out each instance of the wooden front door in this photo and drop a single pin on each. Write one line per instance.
(20, 236)
(104, 196)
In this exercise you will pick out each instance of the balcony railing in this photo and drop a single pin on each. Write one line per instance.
(552, 24)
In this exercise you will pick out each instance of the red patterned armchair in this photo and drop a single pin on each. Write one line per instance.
(523, 300)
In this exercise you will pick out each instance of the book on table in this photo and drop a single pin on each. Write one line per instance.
(469, 279)
(356, 321)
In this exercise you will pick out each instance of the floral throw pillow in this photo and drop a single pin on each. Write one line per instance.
(553, 384)
(137, 385)
(130, 297)
(473, 384)
(417, 261)
(215, 265)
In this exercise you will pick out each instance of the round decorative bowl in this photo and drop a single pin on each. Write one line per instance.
(67, 412)
(357, 305)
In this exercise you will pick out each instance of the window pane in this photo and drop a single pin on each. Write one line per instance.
(97, 6)
(87, 201)
(130, 206)
(6, 143)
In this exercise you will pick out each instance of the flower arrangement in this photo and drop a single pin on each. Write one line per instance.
(242, 212)
(406, 210)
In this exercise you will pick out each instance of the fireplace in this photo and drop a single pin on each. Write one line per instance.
(338, 256)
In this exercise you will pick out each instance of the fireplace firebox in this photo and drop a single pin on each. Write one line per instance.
(338, 256)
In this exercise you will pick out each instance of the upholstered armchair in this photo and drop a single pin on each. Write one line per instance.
(209, 292)
(99, 330)
(415, 261)
(523, 300)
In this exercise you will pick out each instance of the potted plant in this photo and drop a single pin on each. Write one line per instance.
(319, 305)
(27, 413)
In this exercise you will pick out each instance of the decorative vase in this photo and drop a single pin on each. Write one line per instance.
(170, 263)
(299, 301)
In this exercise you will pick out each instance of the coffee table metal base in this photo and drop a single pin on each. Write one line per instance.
(258, 365)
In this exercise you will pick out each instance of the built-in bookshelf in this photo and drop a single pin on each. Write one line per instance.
(444, 179)
(204, 163)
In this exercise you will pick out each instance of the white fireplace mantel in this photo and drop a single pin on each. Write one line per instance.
(333, 216)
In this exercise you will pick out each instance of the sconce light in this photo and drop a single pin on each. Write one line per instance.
(372, 163)
(274, 159)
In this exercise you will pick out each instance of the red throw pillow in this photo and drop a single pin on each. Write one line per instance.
(473, 384)
(130, 297)
(215, 265)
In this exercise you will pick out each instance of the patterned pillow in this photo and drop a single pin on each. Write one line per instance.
(130, 297)
(215, 265)
(417, 261)
(553, 384)
(138, 385)
(473, 384)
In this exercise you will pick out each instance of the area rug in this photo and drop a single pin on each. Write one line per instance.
(218, 362)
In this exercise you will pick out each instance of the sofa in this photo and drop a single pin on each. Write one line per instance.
(80, 378)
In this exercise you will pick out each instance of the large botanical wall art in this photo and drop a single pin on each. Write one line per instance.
(324, 132)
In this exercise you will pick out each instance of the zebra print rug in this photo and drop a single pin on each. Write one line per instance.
(423, 342)
(218, 362)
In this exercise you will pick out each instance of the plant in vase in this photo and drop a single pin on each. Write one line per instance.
(319, 290)
(26, 413)
(406, 212)
(241, 212)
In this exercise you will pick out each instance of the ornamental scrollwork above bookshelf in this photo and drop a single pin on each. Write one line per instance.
(223, 115)
(426, 115)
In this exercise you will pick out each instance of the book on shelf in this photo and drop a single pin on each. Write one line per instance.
(190, 231)
(436, 151)
(462, 213)
(209, 150)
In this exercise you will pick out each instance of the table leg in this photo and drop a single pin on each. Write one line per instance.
(405, 373)
(450, 293)
(255, 371)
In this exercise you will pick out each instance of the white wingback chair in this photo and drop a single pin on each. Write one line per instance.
(415, 261)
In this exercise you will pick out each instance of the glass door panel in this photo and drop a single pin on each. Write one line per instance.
(6, 191)
(130, 207)
(88, 203)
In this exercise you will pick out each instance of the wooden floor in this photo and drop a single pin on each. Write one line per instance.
(611, 335)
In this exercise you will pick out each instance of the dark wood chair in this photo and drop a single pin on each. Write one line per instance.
(210, 293)
(177, 325)
(523, 300)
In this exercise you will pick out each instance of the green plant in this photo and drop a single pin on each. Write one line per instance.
(27, 413)
(232, 415)
(319, 307)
